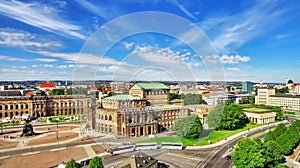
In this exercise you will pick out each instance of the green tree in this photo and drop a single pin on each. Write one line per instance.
(57, 92)
(96, 163)
(189, 127)
(232, 118)
(189, 99)
(272, 154)
(282, 90)
(248, 153)
(72, 164)
(174, 96)
(214, 116)
(277, 132)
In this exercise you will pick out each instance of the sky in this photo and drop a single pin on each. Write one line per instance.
(150, 40)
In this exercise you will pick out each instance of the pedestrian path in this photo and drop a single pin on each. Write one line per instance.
(89, 150)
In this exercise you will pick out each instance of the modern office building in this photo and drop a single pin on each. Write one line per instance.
(247, 86)
(263, 95)
(287, 101)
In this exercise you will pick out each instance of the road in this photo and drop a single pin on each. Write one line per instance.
(201, 158)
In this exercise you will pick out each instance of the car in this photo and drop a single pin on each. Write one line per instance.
(227, 157)
(245, 135)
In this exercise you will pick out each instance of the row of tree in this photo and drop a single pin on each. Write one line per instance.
(267, 154)
(227, 117)
(94, 163)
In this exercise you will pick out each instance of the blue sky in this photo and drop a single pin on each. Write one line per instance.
(49, 40)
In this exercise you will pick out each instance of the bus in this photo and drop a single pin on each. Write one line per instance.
(170, 145)
(121, 149)
(145, 146)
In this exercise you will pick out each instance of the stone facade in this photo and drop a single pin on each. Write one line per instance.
(40, 106)
(128, 115)
(260, 116)
(154, 93)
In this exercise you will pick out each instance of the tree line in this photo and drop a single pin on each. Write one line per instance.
(267, 154)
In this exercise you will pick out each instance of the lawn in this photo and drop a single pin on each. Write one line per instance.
(213, 137)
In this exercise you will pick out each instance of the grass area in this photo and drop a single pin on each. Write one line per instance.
(159, 140)
(213, 137)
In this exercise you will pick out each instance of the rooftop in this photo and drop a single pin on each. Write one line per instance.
(123, 97)
(286, 95)
(164, 107)
(257, 110)
(152, 85)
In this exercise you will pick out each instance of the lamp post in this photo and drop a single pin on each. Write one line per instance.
(56, 135)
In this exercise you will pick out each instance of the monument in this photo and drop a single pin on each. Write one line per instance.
(27, 129)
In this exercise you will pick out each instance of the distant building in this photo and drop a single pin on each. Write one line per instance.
(154, 93)
(47, 86)
(41, 106)
(260, 116)
(268, 97)
(263, 95)
(247, 87)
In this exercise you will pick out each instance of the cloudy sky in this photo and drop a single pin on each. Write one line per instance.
(177, 40)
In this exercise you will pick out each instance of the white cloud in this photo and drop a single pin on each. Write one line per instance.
(104, 12)
(45, 60)
(229, 32)
(34, 66)
(234, 59)
(48, 65)
(41, 16)
(234, 69)
(26, 40)
(62, 66)
(183, 9)
(9, 58)
(128, 45)
(281, 36)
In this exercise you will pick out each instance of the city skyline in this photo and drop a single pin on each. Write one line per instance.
(254, 40)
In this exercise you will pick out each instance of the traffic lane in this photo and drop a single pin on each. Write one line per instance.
(177, 160)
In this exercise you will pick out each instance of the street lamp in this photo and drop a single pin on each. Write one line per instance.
(56, 135)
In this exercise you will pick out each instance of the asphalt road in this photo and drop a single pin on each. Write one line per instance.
(200, 158)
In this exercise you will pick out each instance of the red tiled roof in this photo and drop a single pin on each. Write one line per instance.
(47, 90)
(47, 85)
(29, 93)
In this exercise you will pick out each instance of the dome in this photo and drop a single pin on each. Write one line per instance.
(290, 81)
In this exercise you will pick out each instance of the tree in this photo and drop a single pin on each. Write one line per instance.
(282, 90)
(57, 92)
(189, 127)
(248, 153)
(214, 116)
(273, 135)
(232, 118)
(189, 99)
(272, 154)
(72, 164)
(174, 96)
(96, 163)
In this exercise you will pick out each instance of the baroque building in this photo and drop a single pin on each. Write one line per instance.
(41, 106)
(143, 112)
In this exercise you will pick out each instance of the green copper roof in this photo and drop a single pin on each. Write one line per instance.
(164, 107)
(152, 86)
(123, 97)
